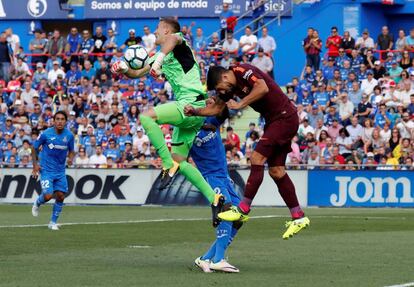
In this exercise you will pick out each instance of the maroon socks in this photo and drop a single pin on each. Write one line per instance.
(288, 193)
(252, 186)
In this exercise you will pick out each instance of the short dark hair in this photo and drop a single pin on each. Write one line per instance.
(60, 113)
(214, 76)
(172, 23)
(344, 130)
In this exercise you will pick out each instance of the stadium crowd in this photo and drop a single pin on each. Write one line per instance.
(356, 106)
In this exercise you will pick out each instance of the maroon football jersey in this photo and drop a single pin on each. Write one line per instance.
(272, 106)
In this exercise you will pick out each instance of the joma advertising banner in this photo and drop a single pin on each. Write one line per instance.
(361, 188)
(105, 9)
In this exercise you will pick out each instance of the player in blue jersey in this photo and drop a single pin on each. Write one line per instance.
(55, 144)
(209, 155)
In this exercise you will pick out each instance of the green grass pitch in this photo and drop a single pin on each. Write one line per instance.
(342, 247)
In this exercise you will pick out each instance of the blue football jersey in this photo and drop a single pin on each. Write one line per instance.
(208, 151)
(55, 148)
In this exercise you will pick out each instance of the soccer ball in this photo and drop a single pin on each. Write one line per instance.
(136, 57)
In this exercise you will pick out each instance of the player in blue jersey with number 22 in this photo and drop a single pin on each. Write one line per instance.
(54, 144)
(208, 154)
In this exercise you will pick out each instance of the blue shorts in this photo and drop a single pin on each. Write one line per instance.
(224, 186)
(53, 182)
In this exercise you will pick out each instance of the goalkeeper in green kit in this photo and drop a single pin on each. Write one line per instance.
(177, 62)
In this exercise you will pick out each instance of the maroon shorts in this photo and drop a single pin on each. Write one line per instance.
(275, 144)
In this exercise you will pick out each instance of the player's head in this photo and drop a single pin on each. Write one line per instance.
(222, 81)
(60, 118)
(166, 26)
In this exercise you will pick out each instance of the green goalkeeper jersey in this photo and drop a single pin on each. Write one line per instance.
(181, 69)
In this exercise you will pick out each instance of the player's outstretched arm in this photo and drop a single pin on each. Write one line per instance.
(133, 74)
(260, 89)
(120, 67)
(213, 108)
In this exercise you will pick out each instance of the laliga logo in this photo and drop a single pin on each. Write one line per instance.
(372, 191)
(36, 8)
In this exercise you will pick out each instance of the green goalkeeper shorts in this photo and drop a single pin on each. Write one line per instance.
(185, 128)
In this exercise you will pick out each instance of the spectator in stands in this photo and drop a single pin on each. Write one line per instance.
(313, 48)
(263, 62)
(367, 85)
(97, 159)
(333, 43)
(268, 44)
(99, 40)
(21, 70)
(258, 10)
(13, 40)
(320, 96)
(230, 44)
(6, 58)
(348, 43)
(37, 46)
(305, 128)
(355, 94)
(385, 41)
(314, 116)
(395, 71)
(406, 126)
(149, 40)
(410, 41)
(53, 74)
(370, 58)
(382, 116)
(410, 107)
(225, 13)
(227, 60)
(73, 43)
(215, 44)
(401, 41)
(200, 42)
(346, 109)
(379, 70)
(111, 44)
(131, 40)
(89, 72)
(365, 42)
(232, 139)
(405, 62)
(87, 44)
(248, 41)
(82, 160)
(344, 143)
(56, 45)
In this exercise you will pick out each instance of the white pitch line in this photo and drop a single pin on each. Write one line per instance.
(193, 219)
(138, 246)
(409, 284)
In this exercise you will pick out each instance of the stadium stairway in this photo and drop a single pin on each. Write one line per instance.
(241, 124)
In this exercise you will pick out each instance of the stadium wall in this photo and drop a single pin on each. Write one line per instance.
(327, 188)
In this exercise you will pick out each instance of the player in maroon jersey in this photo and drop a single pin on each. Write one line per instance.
(256, 89)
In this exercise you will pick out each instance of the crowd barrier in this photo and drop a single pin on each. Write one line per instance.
(327, 188)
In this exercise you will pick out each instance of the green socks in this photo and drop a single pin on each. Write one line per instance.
(156, 137)
(194, 176)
